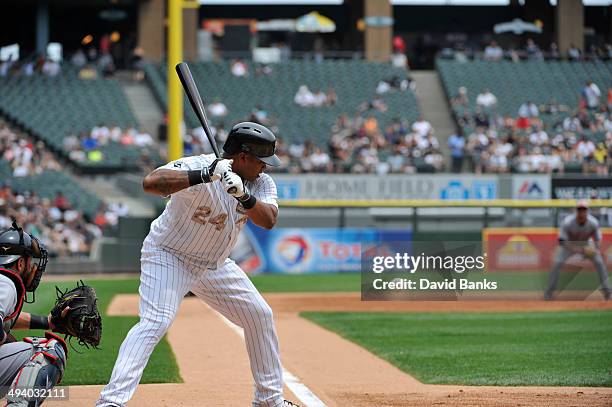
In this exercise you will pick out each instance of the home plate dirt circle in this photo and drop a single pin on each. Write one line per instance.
(216, 370)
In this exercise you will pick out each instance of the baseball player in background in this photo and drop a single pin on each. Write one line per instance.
(36, 363)
(187, 249)
(579, 234)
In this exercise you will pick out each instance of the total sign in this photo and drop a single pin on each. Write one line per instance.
(319, 250)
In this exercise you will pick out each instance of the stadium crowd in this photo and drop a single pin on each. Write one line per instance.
(529, 51)
(85, 146)
(65, 230)
(539, 138)
(24, 155)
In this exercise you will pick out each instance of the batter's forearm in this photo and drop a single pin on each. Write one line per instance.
(263, 215)
(165, 182)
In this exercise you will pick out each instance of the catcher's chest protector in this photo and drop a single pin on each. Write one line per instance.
(10, 320)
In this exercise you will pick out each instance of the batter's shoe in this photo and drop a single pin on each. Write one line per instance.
(287, 403)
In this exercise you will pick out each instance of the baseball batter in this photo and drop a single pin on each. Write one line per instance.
(34, 363)
(579, 234)
(187, 249)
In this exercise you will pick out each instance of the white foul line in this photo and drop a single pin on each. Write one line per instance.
(301, 391)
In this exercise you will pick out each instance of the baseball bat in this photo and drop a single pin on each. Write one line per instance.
(189, 85)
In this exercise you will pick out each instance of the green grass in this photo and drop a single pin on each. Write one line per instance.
(95, 366)
(307, 282)
(510, 349)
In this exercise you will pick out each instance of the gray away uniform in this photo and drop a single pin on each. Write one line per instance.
(12, 355)
(573, 236)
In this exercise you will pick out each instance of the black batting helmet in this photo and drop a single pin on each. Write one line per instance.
(15, 244)
(255, 139)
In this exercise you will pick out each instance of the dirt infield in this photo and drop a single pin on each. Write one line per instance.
(215, 366)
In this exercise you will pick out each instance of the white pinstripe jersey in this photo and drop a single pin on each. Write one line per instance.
(201, 223)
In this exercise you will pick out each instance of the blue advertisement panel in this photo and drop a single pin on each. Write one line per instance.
(318, 250)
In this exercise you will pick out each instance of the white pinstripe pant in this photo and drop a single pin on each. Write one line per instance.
(164, 281)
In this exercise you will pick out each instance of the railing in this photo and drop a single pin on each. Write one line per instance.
(416, 204)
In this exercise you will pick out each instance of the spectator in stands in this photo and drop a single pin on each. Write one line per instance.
(585, 150)
(461, 99)
(263, 70)
(496, 158)
(477, 145)
(304, 97)
(88, 72)
(319, 98)
(115, 133)
(553, 107)
(532, 50)
(553, 52)
(574, 53)
(538, 137)
(370, 126)
(600, 158)
(572, 124)
(239, 68)
(591, 95)
(217, 108)
(456, 144)
(296, 149)
(78, 59)
(28, 68)
(60, 201)
(486, 99)
(106, 64)
(143, 139)
(421, 126)
(481, 118)
(260, 115)
(51, 68)
(320, 161)
(610, 99)
(138, 63)
(383, 87)
(493, 52)
(528, 110)
(399, 60)
(379, 104)
(332, 97)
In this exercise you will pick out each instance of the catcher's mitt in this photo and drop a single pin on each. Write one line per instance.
(82, 320)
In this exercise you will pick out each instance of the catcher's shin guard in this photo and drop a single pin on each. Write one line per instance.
(43, 371)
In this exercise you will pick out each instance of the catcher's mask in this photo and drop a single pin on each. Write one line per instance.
(16, 244)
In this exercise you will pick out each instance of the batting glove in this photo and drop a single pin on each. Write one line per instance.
(216, 170)
(232, 184)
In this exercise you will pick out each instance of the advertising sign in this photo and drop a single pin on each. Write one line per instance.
(530, 186)
(392, 186)
(316, 250)
(533, 249)
(582, 188)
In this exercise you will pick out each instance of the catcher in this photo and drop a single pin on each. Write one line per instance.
(37, 362)
(574, 238)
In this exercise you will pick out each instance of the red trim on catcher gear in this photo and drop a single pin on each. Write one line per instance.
(50, 356)
(51, 335)
(20, 292)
